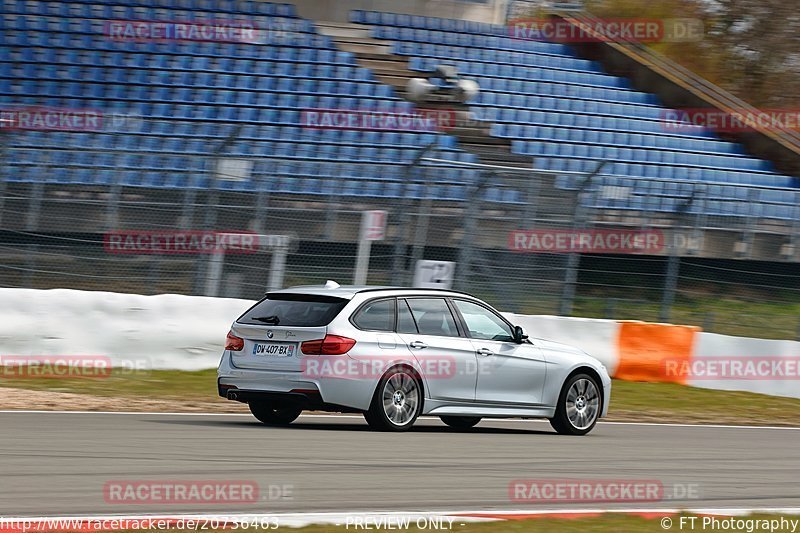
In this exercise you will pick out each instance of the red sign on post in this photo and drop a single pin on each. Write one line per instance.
(373, 225)
(373, 228)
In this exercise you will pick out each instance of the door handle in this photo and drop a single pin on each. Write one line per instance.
(418, 345)
(485, 351)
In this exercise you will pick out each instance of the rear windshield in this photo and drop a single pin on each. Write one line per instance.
(299, 310)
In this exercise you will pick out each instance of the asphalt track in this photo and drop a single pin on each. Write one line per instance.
(58, 463)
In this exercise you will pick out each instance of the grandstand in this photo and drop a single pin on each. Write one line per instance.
(567, 114)
(560, 112)
(192, 94)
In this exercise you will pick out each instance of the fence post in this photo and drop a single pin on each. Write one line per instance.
(611, 308)
(708, 321)
(2, 188)
(277, 268)
(203, 268)
(32, 225)
(262, 205)
(532, 203)
(331, 216)
(570, 280)
(674, 260)
(216, 263)
(574, 258)
(670, 283)
(404, 220)
(466, 249)
(187, 209)
(420, 229)
(35, 203)
(3, 171)
(794, 237)
(112, 205)
(401, 231)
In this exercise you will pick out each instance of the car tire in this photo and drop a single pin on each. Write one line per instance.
(397, 401)
(579, 406)
(271, 415)
(460, 422)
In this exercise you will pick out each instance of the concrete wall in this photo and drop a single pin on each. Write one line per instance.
(171, 331)
(167, 331)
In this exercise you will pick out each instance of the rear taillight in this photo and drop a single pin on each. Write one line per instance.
(330, 345)
(233, 343)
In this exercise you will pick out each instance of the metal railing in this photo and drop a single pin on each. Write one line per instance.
(690, 81)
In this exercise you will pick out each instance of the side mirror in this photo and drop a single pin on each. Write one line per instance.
(519, 335)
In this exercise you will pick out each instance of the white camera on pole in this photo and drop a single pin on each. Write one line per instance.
(443, 85)
(419, 89)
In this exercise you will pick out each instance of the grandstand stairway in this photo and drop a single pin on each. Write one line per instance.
(567, 114)
(473, 134)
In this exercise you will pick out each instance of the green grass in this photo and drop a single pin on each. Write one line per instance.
(726, 315)
(671, 402)
(151, 384)
(773, 315)
(631, 401)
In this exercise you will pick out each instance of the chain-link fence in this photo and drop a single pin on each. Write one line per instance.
(233, 215)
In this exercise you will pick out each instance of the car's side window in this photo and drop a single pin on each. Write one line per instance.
(433, 317)
(376, 316)
(482, 323)
(405, 322)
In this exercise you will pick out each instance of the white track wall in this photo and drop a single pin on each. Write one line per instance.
(171, 331)
(596, 337)
(711, 346)
(167, 331)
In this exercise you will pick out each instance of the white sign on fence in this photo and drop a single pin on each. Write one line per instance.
(231, 169)
(434, 274)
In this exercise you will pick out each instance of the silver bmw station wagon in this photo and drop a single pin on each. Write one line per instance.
(394, 354)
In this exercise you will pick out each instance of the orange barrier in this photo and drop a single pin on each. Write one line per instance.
(654, 352)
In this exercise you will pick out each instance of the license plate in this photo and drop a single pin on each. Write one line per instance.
(273, 349)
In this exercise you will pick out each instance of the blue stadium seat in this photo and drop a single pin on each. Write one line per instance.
(551, 104)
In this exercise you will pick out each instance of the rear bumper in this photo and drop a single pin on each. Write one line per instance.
(308, 400)
(233, 393)
(327, 394)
